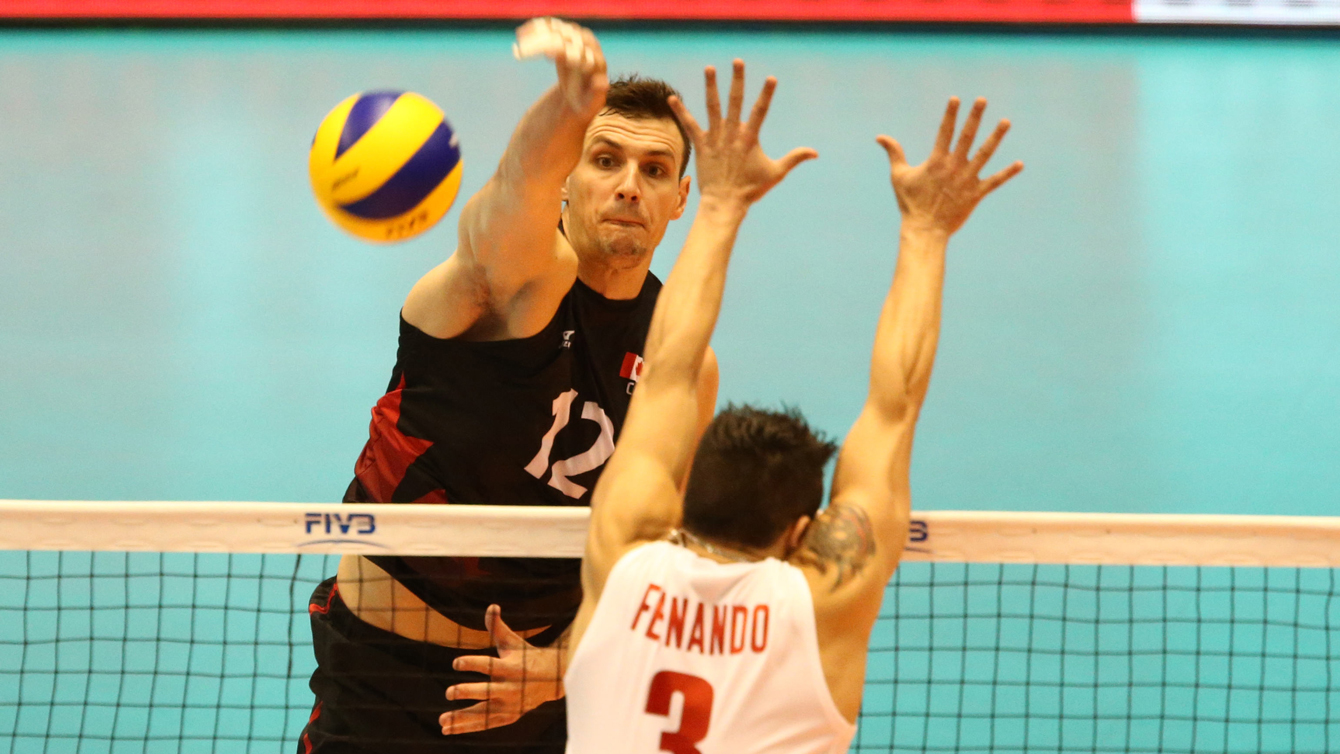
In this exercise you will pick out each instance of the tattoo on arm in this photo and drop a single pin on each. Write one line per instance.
(840, 537)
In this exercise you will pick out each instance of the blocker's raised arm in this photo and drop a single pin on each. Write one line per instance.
(637, 498)
(856, 542)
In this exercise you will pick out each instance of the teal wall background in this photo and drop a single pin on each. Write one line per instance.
(1146, 320)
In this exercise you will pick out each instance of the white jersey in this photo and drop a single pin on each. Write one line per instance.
(691, 656)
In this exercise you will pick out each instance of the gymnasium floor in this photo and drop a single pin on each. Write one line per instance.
(1148, 319)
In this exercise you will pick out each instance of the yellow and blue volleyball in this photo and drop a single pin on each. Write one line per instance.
(385, 166)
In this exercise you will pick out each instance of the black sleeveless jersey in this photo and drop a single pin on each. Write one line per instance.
(529, 421)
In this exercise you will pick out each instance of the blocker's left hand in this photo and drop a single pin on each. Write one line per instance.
(521, 678)
(940, 193)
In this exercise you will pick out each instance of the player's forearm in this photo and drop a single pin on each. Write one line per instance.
(516, 212)
(637, 496)
(686, 312)
(909, 324)
(545, 146)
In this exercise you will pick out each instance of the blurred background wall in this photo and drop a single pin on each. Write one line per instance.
(1146, 320)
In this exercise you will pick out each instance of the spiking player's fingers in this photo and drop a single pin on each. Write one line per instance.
(983, 155)
(504, 638)
(713, 97)
(970, 125)
(736, 104)
(475, 664)
(687, 120)
(895, 150)
(538, 36)
(999, 179)
(594, 54)
(574, 48)
(795, 157)
(946, 128)
(522, 47)
(760, 111)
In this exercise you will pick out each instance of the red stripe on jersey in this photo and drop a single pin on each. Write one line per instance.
(307, 742)
(313, 608)
(389, 452)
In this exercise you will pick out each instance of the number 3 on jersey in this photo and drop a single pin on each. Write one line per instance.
(697, 714)
(590, 460)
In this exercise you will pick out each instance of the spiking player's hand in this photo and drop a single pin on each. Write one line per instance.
(940, 193)
(521, 678)
(731, 164)
(576, 55)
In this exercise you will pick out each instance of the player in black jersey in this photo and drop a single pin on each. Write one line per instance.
(517, 360)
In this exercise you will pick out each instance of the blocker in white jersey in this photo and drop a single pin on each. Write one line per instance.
(707, 656)
(749, 634)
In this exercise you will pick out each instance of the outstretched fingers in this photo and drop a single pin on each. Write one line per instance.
(470, 691)
(896, 155)
(795, 157)
(736, 104)
(713, 97)
(474, 664)
(760, 111)
(475, 718)
(999, 179)
(969, 134)
(504, 638)
(988, 149)
(946, 128)
(687, 120)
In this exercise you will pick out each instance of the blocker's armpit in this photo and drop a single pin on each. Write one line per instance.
(841, 537)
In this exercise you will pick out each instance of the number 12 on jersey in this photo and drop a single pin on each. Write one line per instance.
(697, 714)
(581, 463)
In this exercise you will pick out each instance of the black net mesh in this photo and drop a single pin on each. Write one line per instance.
(115, 652)
(1029, 658)
(155, 652)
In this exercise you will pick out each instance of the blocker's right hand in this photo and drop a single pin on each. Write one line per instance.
(576, 55)
(731, 163)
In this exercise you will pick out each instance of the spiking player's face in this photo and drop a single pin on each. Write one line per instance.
(626, 189)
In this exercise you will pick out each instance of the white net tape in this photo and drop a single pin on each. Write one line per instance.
(521, 531)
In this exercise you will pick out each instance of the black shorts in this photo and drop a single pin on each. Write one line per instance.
(379, 692)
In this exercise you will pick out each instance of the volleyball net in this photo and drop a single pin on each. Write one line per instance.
(164, 627)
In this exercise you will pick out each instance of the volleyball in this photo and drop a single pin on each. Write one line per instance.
(385, 166)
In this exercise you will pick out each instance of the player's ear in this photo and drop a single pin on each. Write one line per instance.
(683, 197)
(563, 192)
(796, 534)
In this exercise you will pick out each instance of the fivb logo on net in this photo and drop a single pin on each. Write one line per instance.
(339, 528)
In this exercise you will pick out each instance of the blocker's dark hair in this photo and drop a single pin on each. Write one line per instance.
(637, 97)
(755, 473)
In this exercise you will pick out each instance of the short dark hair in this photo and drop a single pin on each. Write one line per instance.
(756, 472)
(637, 97)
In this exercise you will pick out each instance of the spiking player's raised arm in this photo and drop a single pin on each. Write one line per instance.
(511, 385)
(506, 239)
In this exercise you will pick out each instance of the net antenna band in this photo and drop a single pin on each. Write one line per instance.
(526, 531)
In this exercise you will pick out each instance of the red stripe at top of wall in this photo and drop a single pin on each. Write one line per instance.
(1006, 11)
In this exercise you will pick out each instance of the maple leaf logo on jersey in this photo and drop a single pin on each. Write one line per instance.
(632, 367)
